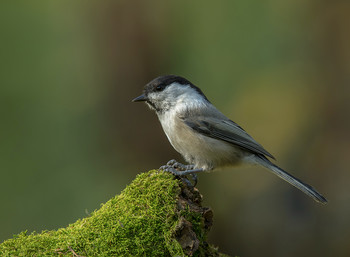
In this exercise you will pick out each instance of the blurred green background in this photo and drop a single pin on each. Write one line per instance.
(71, 138)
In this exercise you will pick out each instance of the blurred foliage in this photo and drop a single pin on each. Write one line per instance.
(68, 71)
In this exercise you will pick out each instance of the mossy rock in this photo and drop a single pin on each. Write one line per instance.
(156, 215)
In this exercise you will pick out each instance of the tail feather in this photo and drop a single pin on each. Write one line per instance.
(307, 189)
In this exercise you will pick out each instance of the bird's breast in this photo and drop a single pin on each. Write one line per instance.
(200, 150)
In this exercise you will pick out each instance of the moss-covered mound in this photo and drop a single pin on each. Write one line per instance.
(156, 215)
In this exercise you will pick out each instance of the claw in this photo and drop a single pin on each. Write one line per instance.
(182, 170)
(170, 169)
(171, 162)
(178, 166)
(163, 168)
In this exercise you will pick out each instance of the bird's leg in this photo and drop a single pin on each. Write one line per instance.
(181, 170)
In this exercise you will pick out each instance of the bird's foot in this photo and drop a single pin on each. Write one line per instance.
(178, 166)
(182, 170)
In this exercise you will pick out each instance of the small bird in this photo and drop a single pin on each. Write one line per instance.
(205, 137)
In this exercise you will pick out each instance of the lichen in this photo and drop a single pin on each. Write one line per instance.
(154, 216)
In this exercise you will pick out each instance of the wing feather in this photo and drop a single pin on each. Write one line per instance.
(227, 131)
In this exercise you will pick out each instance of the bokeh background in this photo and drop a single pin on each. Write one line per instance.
(71, 138)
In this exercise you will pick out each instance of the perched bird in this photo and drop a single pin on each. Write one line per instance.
(205, 137)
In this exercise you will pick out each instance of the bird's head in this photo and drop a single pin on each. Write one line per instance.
(169, 91)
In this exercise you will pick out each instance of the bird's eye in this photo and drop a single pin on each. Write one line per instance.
(159, 88)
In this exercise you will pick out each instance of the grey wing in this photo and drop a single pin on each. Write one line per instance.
(227, 131)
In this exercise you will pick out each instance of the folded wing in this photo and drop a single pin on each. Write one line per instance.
(227, 131)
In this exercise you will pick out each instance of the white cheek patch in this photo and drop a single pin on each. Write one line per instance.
(185, 98)
(183, 93)
(175, 97)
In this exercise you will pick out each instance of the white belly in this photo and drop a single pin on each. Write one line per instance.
(202, 151)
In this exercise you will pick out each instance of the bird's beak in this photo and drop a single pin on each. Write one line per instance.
(140, 98)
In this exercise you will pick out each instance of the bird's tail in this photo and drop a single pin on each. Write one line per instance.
(307, 189)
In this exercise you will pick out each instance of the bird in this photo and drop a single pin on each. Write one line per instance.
(204, 136)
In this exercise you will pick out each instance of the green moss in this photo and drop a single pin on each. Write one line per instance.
(142, 221)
